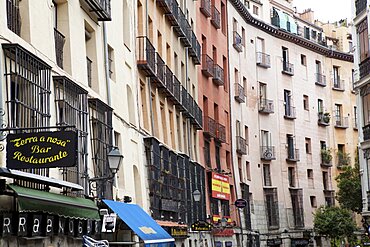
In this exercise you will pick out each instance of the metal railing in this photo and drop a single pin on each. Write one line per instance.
(338, 84)
(145, 56)
(195, 50)
(320, 79)
(207, 65)
(360, 6)
(268, 153)
(239, 93)
(221, 132)
(205, 7)
(13, 16)
(364, 68)
(323, 118)
(100, 8)
(263, 60)
(288, 68)
(289, 112)
(241, 145)
(166, 5)
(341, 122)
(366, 132)
(209, 126)
(218, 76)
(237, 41)
(266, 106)
(216, 17)
(292, 154)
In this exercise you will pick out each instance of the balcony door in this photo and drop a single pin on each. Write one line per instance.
(290, 143)
(336, 77)
(263, 93)
(287, 102)
(265, 138)
(285, 56)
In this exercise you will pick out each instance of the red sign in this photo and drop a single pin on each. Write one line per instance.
(220, 186)
(226, 232)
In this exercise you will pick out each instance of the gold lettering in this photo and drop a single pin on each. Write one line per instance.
(37, 149)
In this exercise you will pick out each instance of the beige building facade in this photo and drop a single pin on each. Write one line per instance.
(292, 107)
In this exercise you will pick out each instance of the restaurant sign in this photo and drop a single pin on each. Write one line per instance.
(41, 149)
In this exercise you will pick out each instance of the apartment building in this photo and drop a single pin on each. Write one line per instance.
(361, 83)
(293, 118)
(68, 100)
(168, 55)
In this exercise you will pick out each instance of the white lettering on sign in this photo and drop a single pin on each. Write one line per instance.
(147, 230)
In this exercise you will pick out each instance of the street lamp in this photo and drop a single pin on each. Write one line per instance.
(114, 160)
(196, 195)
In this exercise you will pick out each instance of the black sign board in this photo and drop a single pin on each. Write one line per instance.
(201, 226)
(240, 203)
(41, 149)
(274, 241)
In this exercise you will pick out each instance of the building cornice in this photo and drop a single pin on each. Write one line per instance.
(280, 34)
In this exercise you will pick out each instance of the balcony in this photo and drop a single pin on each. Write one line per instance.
(341, 122)
(364, 67)
(98, 9)
(216, 17)
(220, 133)
(366, 132)
(338, 84)
(183, 29)
(146, 56)
(168, 90)
(183, 106)
(237, 41)
(360, 6)
(241, 145)
(190, 107)
(205, 7)
(176, 90)
(355, 124)
(289, 112)
(209, 126)
(59, 44)
(173, 14)
(288, 68)
(207, 66)
(292, 154)
(343, 159)
(159, 80)
(263, 60)
(268, 153)
(320, 79)
(326, 158)
(266, 106)
(239, 93)
(165, 5)
(323, 119)
(195, 50)
(218, 77)
(197, 121)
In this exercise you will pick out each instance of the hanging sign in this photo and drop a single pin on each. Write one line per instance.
(41, 150)
(220, 186)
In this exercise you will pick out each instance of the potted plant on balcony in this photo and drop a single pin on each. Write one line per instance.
(326, 117)
(326, 155)
(344, 159)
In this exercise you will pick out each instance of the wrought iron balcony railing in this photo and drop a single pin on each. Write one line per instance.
(263, 60)
(266, 106)
(320, 79)
(221, 133)
(241, 145)
(218, 75)
(195, 50)
(323, 118)
(360, 6)
(209, 126)
(364, 67)
(176, 90)
(59, 44)
(173, 14)
(343, 159)
(292, 154)
(237, 41)
(288, 68)
(216, 17)
(205, 7)
(338, 84)
(13, 16)
(207, 65)
(268, 153)
(341, 122)
(166, 5)
(326, 159)
(145, 56)
(366, 132)
(239, 93)
(159, 80)
(289, 112)
(99, 9)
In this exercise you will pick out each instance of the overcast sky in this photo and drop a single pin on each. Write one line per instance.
(326, 10)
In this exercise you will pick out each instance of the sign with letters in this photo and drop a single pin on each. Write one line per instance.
(41, 149)
(220, 186)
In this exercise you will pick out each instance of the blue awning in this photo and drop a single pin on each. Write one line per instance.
(141, 223)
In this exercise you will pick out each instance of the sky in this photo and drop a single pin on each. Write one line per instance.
(326, 10)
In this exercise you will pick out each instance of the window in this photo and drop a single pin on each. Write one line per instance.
(101, 143)
(240, 168)
(325, 180)
(308, 145)
(266, 175)
(291, 147)
(336, 77)
(289, 110)
(217, 154)
(272, 207)
(112, 75)
(71, 104)
(246, 210)
(318, 67)
(127, 15)
(244, 40)
(363, 39)
(303, 60)
(338, 113)
(313, 201)
(285, 52)
(309, 174)
(255, 10)
(307, 32)
(320, 106)
(13, 16)
(207, 154)
(355, 116)
(306, 104)
(291, 177)
(248, 170)
(90, 46)
(223, 18)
